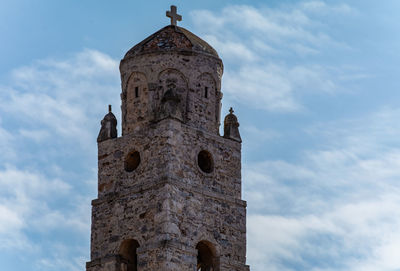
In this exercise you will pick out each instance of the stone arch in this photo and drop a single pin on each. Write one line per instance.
(207, 256)
(209, 92)
(204, 102)
(128, 254)
(135, 99)
(135, 77)
(207, 80)
(173, 83)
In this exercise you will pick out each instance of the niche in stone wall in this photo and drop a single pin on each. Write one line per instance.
(207, 86)
(135, 99)
(128, 253)
(206, 103)
(136, 87)
(171, 98)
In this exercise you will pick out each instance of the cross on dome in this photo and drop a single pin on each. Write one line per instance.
(173, 15)
(231, 110)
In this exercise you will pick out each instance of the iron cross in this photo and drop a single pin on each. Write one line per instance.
(173, 15)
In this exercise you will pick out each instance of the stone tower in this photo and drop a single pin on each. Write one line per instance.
(169, 189)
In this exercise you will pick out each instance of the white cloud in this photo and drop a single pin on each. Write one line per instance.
(322, 8)
(13, 221)
(6, 140)
(233, 49)
(263, 87)
(21, 183)
(60, 258)
(257, 137)
(35, 135)
(359, 232)
(62, 95)
(333, 192)
(27, 207)
(334, 209)
(20, 194)
(272, 26)
(50, 106)
(260, 41)
(274, 87)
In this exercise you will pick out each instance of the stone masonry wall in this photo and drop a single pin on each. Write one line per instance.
(168, 204)
(171, 181)
(153, 73)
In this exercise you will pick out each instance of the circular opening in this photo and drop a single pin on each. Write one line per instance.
(205, 162)
(132, 161)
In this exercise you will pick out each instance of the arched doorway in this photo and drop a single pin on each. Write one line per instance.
(128, 253)
(206, 257)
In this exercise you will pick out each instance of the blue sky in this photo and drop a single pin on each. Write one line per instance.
(313, 83)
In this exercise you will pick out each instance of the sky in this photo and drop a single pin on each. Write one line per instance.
(315, 86)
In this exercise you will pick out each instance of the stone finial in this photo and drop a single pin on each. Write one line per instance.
(173, 15)
(108, 127)
(231, 127)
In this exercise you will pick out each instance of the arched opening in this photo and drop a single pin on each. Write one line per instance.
(128, 254)
(205, 161)
(132, 161)
(175, 81)
(206, 257)
(134, 100)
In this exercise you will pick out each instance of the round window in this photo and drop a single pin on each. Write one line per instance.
(205, 162)
(132, 161)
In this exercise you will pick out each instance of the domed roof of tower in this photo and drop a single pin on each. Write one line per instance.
(110, 117)
(172, 38)
(231, 118)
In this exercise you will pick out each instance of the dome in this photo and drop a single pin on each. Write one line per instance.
(231, 118)
(110, 117)
(108, 127)
(172, 38)
(231, 127)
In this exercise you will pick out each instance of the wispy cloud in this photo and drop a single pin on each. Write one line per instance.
(336, 207)
(62, 96)
(6, 140)
(24, 199)
(49, 108)
(261, 74)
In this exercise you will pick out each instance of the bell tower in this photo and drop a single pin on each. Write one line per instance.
(169, 189)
